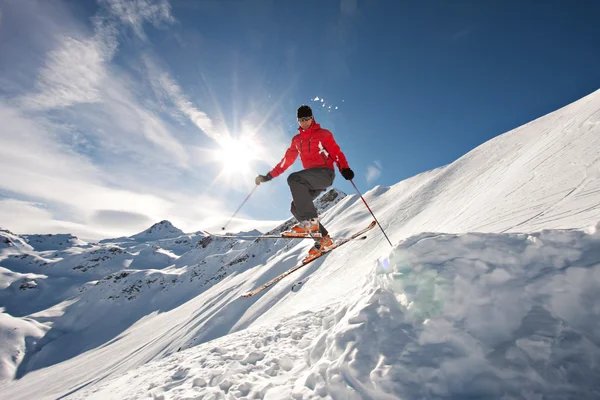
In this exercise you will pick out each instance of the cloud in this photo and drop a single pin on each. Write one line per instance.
(74, 72)
(25, 217)
(13, 211)
(77, 71)
(373, 172)
(35, 165)
(135, 12)
(122, 113)
(116, 219)
(165, 87)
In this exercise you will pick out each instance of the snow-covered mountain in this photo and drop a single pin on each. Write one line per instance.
(160, 230)
(53, 242)
(9, 240)
(489, 291)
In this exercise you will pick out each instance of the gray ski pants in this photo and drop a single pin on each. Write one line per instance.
(307, 185)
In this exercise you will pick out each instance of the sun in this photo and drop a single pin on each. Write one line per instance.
(238, 157)
(236, 154)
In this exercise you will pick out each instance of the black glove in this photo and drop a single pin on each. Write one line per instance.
(262, 178)
(348, 174)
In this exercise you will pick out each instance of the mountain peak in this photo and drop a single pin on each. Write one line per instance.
(164, 223)
(160, 230)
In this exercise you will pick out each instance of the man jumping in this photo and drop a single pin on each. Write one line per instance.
(318, 151)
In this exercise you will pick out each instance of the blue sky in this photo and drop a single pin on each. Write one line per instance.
(117, 114)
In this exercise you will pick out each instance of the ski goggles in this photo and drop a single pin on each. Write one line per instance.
(303, 119)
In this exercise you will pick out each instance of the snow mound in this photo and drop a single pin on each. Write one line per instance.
(469, 316)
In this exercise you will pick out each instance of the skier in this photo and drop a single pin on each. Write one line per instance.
(318, 151)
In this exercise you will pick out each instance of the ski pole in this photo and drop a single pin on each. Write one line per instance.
(369, 208)
(236, 211)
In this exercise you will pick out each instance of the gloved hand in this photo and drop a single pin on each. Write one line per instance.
(262, 178)
(348, 174)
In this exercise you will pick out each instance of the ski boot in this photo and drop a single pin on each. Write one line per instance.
(304, 229)
(320, 246)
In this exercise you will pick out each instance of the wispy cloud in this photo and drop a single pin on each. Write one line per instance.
(25, 214)
(35, 164)
(31, 217)
(373, 172)
(135, 13)
(78, 71)
(166, 87)
(74, 71)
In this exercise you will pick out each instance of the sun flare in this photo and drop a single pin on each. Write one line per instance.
(237, 154)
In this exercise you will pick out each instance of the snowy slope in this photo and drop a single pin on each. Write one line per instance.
(120, 283)
(53, 242)
(488, 292)
(422, 326)
(16, 334)
(10, 241)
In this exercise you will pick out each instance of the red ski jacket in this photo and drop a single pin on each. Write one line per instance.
(317, 149)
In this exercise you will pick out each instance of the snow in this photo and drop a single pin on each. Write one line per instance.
(53, 242)
(15, 335)
(489, 291)
(161, 230)
(13, 243)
